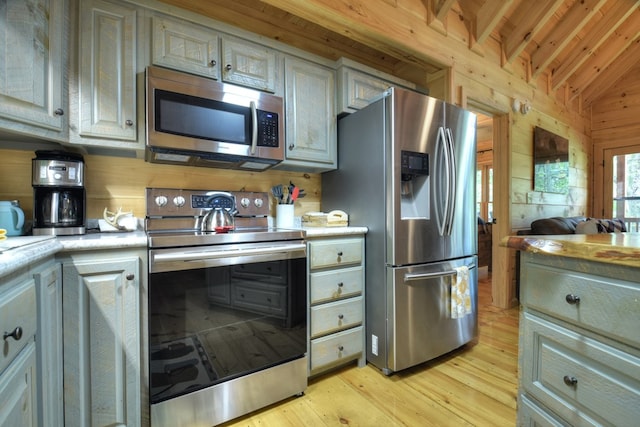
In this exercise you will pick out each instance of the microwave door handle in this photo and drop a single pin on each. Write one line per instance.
(254, 127)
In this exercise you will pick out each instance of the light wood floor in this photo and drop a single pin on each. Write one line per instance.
(473, 386)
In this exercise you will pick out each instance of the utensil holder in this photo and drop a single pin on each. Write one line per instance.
(284, 216)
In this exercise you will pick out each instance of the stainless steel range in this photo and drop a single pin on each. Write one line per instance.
(227, 309)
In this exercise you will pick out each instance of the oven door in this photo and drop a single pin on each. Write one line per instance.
(223, 312)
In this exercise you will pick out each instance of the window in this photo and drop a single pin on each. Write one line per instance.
(626, 188)
(484, 192)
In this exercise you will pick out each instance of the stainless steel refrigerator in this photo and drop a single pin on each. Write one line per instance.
(406, 170)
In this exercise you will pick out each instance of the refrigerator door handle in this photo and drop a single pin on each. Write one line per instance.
(441, 160)
(451, 195)
(420, 276)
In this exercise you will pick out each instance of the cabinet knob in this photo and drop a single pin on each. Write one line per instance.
(572, 299)
(340, 316)
(129, 123)
(131, 276)
(59, 112)
(570, 381)
(340, 348)
(340, 253)
(291, 147)
(228, 67)
(340, 284)
(16, 334)
(212, 63)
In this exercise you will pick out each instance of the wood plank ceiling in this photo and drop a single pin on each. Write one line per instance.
(582, 46)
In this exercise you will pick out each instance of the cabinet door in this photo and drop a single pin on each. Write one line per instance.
(18, 390)
(32, 62)
(359, 89)
(49, 346)
(310, 115)
(101, 319)
(249, 64)
(185, 46)
(107, 71)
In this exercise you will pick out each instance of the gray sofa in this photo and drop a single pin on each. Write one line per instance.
(569, 225)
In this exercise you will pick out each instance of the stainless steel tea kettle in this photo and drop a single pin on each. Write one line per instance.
(219, 217)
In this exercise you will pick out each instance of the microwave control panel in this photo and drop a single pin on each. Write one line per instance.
(267, 129)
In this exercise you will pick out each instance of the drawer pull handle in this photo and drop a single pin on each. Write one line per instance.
(572, 299)
(16, 334)
(340, 316)
(570, 381)
(340, 348)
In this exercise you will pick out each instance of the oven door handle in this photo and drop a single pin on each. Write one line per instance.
(226, 253)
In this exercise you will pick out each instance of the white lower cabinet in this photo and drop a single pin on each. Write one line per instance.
(102, 329)
(18, 390)
(49, 346)
(18, 373)
(336, 302)
(579, 343)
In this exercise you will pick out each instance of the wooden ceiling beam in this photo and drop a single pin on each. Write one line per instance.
(442, 8)
(624, 36)
(488, 17)
(624, 63)
(620, 11)
(562, 34)
(527, 21)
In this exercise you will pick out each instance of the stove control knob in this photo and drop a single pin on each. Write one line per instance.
(258, 202)
(179, 201)
(245, 202)
(161, 201)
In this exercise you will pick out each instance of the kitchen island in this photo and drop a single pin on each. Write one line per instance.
(579, 345)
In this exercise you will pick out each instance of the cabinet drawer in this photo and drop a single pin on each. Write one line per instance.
(335, 316)
(582, 380)
(332, 285)
(550, 288)
(17, 310)
(336, 348)
(530, 414)
(333, 253)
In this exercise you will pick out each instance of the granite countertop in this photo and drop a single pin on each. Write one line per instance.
(19, 251)
(93, 241)
(16, 252)
(611, 248)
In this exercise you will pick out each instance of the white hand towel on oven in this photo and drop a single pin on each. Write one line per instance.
(460, 293)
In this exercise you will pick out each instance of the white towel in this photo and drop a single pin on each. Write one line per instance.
(460, 293)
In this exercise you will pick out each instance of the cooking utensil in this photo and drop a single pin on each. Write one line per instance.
(276, 190)
(295, 194)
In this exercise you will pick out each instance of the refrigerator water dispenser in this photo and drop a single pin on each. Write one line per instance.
(414, 186)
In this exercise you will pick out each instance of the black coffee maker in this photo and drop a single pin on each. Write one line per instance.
(59, 200)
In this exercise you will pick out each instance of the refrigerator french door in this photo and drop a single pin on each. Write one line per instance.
(407, 172)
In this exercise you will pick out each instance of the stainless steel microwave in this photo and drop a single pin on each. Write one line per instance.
(198, 121)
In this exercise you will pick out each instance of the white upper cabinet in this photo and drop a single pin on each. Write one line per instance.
(33, 66)
(249, 64)
(359, 85)
(311, 123)
(106, 88)
(185, 46)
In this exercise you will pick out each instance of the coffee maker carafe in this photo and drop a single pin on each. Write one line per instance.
(59, 201)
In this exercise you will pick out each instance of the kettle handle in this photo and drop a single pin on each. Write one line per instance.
(20, 214)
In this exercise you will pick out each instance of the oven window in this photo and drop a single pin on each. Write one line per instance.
(202, 118)
(210, 325)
